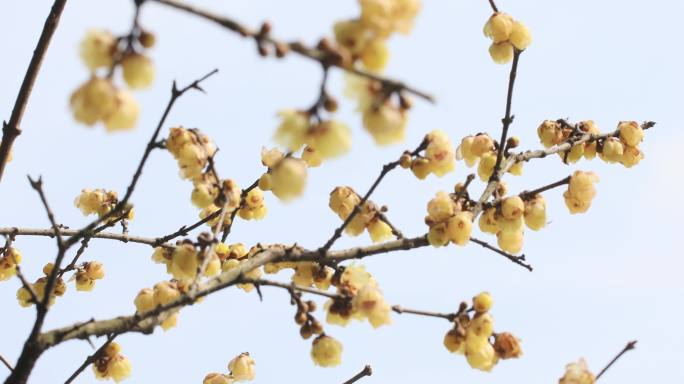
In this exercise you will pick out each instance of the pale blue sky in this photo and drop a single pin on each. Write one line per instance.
(600, 279)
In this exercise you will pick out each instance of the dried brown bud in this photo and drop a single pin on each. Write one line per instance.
(507, 346)
(513, 142)
(312, 305)
(281, 49)
(147, 39)
(405, 161)
(330, 104)
(300, 318)
(305, 331)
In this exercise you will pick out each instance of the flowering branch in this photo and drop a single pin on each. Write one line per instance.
(631, 345)
(357, 208)
(11, 129)
(366, 371)
(319, 55)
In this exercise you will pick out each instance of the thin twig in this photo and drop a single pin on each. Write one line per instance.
(400, 310)
(508, 118)
(291, 286)
(299, 48)
(366, 371)
(520, 260)
(6, 363)
(12, 129)
(529, 194)
(38, 186)
(357, 208)
(631, 345)
(494, 7)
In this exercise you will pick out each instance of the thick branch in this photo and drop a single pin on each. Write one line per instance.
(311, 53)
(12, 129)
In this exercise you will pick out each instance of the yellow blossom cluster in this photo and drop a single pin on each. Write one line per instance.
(161, 294)
(99, 201)
(286, 175)
(24, 296)
(98, 99)
(192, 149)
(622, 148)
(580, 191)
(306, 273)
(365, 38)
(9, 261)
(326, 351)
(471, 336)
(326, 139)
(383, 118)
(112, 364)
(254, 206)
(577, 373)
(361, 299)
(87, 274)
(448, 221)
(483, 148)
(343, 200)
(241, 369)
(506, 220)
(439, 159)
(507, 35)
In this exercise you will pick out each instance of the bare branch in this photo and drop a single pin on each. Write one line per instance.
(520, 260)
(631, 345)
(366, 371)
(6, 363)
(12, 129)
(449, 316)
(508, 118)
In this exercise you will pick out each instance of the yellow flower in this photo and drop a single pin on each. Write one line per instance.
(440, 153)
(293, 128)
(93, 101)
(631, 133)
(577, 373)
(330, 139)
(459, 228)
(501, 53)
(289, 178)
(138, 70)
(535, 212)
(520, 37)
(379, 230)
(386, 123)
(480, 354)
(326, 351)
(125, 113)
(97, 49)
(375, 55)
(242, 367)
(483, 302)
(342, 201)
(499, 27)
(144, 301)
